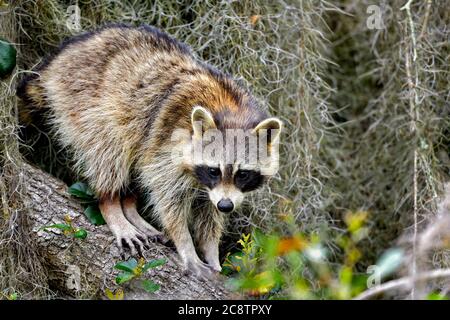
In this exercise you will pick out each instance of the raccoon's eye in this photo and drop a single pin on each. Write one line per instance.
(214, 172)
(242, 174)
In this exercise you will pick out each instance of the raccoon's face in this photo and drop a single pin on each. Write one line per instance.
(227, 184)
(222, 172)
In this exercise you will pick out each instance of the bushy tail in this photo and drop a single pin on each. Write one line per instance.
(31, 91)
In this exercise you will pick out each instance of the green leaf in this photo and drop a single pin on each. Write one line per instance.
(60, 226)
(81, 190)
(270, 246)
(153, 264)
(94, 215)
(13, 296)
(116, 295)
(389, 262)
(359, 283)
(150, 286)
(233, 263)
(124, 277)
(437, 296)
(258, 237)
(7, 58)
(127, 266)
(345, 275)
(80, 234)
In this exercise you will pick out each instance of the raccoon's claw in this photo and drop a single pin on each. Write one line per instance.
(133, 240)
(161, 238)
(146, 229)
(200, 270)
(153, 236)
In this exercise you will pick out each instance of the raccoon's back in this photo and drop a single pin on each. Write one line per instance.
(97, 64)
(93, 89)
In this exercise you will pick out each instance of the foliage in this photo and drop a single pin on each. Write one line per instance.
(85, 195)
(437, 296)
(299, 266)
(9, 296)
(116, 295)
(68, 229)
(133, 269)
(7, 58)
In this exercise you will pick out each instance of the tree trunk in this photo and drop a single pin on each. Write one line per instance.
(84, 268)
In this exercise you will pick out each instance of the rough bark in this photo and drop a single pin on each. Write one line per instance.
(84, 268)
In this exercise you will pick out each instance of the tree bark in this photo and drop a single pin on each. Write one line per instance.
(84, 268)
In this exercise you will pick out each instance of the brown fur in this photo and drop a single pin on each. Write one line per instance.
(116, 95)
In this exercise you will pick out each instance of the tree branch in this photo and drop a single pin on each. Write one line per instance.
(84, 268)
(405, 283)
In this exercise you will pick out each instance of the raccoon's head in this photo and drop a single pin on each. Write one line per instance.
(230, 160)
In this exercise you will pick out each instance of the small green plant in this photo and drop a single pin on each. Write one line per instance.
(298, 266)
(116, 295)
(133, 269)
(68, 229)
(241, 259)
(437, 296)
(9, 296)
(150, 286)
(86, 196)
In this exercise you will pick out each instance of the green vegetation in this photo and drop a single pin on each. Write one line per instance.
(68, 229)
(7, 58)
(133, 269)
(81, 191)
(300, 266)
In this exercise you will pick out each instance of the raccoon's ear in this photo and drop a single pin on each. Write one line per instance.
(272, 127)
(202, 120)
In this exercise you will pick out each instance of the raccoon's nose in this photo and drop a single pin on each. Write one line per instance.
(225, 205)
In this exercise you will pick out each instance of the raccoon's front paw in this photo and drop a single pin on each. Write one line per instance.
(131, 238)
(200, 270)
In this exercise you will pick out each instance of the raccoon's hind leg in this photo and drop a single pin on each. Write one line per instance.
(132, 215)
(125, 233)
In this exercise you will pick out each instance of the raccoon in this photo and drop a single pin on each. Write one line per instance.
(119, 98)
